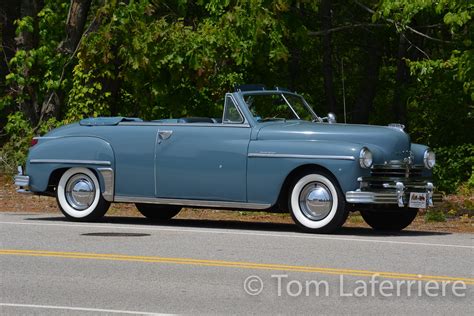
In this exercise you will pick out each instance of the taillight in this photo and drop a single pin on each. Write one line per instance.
(34, 141)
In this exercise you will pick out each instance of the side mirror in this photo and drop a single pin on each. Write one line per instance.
(331, 118)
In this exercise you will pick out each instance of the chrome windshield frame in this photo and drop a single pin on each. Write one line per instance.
(250, 117)
(288, 103)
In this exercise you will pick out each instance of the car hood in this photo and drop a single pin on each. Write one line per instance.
(392, 142)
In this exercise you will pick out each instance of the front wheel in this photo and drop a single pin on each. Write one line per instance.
(79, 197)
(393, 220)
(158, 212)
(317, 204)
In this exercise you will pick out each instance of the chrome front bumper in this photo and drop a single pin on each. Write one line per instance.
(22, 182)
(397, 193)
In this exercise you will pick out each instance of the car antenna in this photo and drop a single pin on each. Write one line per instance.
(343, 90)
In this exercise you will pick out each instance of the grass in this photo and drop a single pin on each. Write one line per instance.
(355, 218)
(435, 216)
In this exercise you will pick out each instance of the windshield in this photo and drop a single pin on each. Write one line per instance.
(278, 106)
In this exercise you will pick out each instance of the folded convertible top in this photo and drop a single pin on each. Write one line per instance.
(107, 121)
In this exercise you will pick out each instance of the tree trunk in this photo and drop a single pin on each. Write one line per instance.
(326, 13)
(368, 86)
(28, 41)
(114, 84)
(76, 20)
(399, 102)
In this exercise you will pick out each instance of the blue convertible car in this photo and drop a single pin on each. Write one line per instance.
(268, 151)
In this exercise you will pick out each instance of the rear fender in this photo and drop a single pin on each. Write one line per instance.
(67, 152)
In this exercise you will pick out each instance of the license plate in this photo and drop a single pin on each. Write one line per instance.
(417, 200)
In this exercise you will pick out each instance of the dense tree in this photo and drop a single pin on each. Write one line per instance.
(407, 61)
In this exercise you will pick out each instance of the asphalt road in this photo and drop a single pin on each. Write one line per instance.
(129, 266)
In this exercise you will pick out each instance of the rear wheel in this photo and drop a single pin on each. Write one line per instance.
(158, 212)
(394, 220)
(317, 204)
(79, 197)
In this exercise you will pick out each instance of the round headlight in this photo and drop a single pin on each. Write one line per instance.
(429, 159)
(365, 158)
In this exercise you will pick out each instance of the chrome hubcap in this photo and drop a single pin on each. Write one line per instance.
(80, 192)
(315, 201)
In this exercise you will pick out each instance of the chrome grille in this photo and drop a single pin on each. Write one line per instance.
(396, 171)
(385, 177)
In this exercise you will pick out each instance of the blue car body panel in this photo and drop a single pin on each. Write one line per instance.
(203, 163)
(53, 152)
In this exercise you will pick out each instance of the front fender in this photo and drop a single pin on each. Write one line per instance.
(51, 154)
(270, 162)
(418, 151)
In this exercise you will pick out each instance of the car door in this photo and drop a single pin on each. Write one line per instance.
(204, 161)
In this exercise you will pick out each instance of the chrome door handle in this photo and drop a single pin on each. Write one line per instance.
(164, 134)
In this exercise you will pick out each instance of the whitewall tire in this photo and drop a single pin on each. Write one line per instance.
(79, 197)
(316, 203)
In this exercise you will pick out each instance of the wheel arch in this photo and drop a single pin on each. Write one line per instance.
(105, 176)
(296, 173)
(53, 180)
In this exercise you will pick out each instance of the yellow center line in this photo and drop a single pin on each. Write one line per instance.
(233, 264)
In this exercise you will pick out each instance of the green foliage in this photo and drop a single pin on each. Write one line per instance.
(440, 98)
(466, 192)
(14, 152)
(35, 71)
(435, 216)
(145, 61)
(155, 59)
(454, 166)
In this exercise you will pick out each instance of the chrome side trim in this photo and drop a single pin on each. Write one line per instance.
(239, 125)
(109, 183)
(71, 161)
(197, 203)
(47, 137)
(275, 155)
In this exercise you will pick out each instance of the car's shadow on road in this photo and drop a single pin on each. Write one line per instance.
(239, 225)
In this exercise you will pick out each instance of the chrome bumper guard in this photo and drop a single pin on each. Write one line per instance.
(394, 193)
(22, 182)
